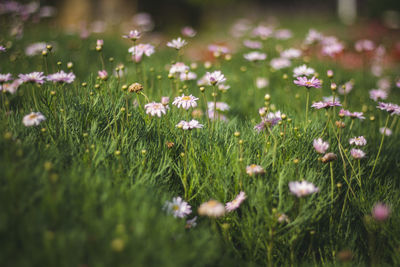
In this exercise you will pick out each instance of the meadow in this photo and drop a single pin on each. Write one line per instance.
(143, 154)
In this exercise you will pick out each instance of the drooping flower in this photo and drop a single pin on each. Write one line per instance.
(353, 115)
(211, 208)
(193, 124)
(185, 102)
(303, 70)
(357, 153)
(133, 35)
(303, 188)
(178, 207)
(5, 77)
(254, 169)
(33, 119)
(33, 77)
(255, 56)
(358, 141)
(154, 108)
(376, 94)
(234, 204)
(380, 212)
(308, 83)
(215, 77)
(393, 109)
(61, 77)
(177, 43)
(320, 146)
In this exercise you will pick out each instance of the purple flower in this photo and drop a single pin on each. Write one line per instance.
(252, 44)
(353, 115)
(380, 211)
(61, 77)
(357, 153)
(33, 77)
(389, 107)
(326, 104)
(320, 146)
(313, 82)
(188, 31)
(358, 141)
(234, 204)
(2, 48)
(376, 94)
(103, 74)
(5, 77)
(133, 35)
(268, 121)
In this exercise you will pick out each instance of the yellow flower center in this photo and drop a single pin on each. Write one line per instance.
(175, 207)
(32, 116)
(186, 98)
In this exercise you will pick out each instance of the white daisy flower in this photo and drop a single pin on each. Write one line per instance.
(154, 108)
(303, 70)
(178, 208)
(254, 169)
(215, 77)
(234, 204)
(193, 124)
(177, 43)
(211, 208)
(185, 102)
(33, 119)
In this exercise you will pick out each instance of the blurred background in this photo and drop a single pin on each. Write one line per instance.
(168, 14)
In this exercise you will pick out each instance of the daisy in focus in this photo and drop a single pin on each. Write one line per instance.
(185, 102)
(308, 83)
(178, 207)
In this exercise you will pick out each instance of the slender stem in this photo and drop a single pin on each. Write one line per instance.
(380, 147)
(307, 103)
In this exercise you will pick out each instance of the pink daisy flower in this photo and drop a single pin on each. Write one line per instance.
(353, 115)
(234, 204)
(185, 102)
(380, 212)
(34, 77)
(357, 153)
(389, 107)
(320, 146)
(308, 83)
(301, 189)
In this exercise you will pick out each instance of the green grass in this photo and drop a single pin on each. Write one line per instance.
(87, 187)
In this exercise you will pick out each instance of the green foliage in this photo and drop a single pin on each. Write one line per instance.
(87, 186)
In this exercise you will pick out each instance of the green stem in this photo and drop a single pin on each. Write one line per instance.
(380, 147)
